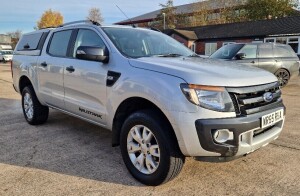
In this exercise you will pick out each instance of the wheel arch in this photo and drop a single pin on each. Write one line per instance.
(129, 106)
(283, 68)
(23, 82)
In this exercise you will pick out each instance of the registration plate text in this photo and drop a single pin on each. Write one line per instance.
(271, 119)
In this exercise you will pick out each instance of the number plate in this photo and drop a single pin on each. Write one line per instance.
(271, 119)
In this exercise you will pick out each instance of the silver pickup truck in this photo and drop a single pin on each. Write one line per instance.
(161, 101)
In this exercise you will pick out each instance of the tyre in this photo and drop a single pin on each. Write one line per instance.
(149, 149)
(3, 60)
(34, 112)
(283, 77)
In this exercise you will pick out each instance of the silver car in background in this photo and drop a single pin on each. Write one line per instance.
(278, 59)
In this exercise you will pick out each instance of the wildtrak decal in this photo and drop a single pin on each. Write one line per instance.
(90, 113)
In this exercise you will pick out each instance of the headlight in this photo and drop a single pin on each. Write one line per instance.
(209, 97)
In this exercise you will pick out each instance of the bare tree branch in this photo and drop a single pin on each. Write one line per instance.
(95, 15)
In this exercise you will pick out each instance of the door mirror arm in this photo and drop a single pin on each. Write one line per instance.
(240, 56)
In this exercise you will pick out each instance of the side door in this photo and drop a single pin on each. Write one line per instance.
(250, 58)
(266, 57)
(85, 80)
(51, 66)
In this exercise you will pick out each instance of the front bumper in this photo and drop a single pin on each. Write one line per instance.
(248, 135)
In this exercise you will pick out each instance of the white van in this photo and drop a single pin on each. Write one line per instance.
(6, 53)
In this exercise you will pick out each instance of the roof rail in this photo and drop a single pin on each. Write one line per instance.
(80, 21)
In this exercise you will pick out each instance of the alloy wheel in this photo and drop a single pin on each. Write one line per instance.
(143, 149)
(28, 106)
(283, 77)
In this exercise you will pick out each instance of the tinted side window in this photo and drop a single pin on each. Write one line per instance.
(86, 37)
(59, 43)
(250, 51)
(29, 42)
(265, 51)
(284, 51)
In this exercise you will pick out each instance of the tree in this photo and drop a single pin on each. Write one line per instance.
(95, 15)
(216, 12)
(50, 19)
(15, 37)
(167, 15)
(268, 9)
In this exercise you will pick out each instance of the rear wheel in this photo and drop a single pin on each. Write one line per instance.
(283, 77)
(149, 149)
(34, 112)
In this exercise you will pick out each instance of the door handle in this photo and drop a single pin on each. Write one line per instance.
(252, 62)
(70, 69)
(44, 64)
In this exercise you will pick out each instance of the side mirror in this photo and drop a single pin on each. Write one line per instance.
(240, 56)
(92, 53)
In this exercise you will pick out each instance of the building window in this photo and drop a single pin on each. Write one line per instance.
(281, 40)
(257, 41)
(270, 40)
(210, 48)
(227, 43)
(292, 41)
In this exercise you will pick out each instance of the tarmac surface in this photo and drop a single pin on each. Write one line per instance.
(67, 156)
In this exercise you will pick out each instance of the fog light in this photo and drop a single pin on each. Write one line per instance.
(223, 135)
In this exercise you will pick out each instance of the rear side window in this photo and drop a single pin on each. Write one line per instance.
(284, 51)
(265, 51)
(59, 43)
(29, 42)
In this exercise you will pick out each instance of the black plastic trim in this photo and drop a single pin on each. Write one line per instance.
(238, 125)
(112, 78)
(42, 41)
(252, 89)
(217, 159)
(72, 41)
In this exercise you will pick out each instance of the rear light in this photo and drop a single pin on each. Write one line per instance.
(11, 68)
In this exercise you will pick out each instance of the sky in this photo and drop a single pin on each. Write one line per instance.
(23, 14)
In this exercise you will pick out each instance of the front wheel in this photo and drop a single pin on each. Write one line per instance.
(149, 149)
(283, 77)
(35, 113)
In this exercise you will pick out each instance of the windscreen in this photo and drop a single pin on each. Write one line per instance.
(135, 43)
(227, 52)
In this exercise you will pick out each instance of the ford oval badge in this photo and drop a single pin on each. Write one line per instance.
(268, 97)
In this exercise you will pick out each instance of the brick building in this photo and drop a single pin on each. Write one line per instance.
(205, 40)
(5, 39)
(213, 13)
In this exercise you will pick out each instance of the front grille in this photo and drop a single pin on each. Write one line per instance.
(250, 100)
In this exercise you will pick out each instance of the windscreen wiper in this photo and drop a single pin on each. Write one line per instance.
(193, 55)
(168, 55)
